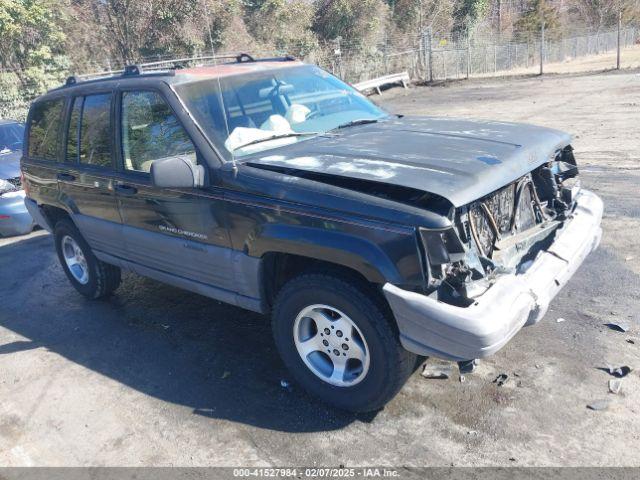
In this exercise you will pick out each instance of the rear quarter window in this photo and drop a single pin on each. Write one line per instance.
(44, 129)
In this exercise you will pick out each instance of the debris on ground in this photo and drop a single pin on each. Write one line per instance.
(560, 320)
(619, 326)
(629, 258)
(615, 386)
(437, 372)
(468, 366)
(462, 379)
(501, 379)
(285, 384)
(225, 374)
(599, 404)
(619, 372)
(631, 341)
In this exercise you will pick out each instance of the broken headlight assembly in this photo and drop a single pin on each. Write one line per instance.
(501, 232)
(455, 272)
(442, 248)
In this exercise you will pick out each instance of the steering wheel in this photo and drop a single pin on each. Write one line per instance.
(315, 112)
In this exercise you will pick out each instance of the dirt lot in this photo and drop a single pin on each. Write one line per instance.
(158, 376)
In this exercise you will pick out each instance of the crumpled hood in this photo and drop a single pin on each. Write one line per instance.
(460, 160)
(10, 165)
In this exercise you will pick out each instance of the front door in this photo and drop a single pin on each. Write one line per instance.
(181, 232)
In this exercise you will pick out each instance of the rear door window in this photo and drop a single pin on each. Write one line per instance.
(96, 131)
(44, 129)
(73, 134)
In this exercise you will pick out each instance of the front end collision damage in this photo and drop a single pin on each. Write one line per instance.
(497, 270)
(491, 265)
(431, 327)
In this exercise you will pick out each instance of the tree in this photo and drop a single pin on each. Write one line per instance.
(415, 16)
(356, 22)
(222, 20)
(468, 12)
(33, 42)
(147, 28)
(530, 23)
(87, 43)
(284, 24)
(598, 14)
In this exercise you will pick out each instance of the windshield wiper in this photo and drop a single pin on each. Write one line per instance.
(275, 137)
(353, 123)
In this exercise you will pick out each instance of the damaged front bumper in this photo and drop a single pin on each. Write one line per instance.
(432, 328)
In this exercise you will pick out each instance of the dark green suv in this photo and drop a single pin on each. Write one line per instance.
(370, 238)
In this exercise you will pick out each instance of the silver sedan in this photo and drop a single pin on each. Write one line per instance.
(14, 217)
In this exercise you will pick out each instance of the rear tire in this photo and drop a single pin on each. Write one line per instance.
(304, 315)
(91, 277)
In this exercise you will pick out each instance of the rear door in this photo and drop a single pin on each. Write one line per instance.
(42, 156)
(86, 180)
(181, 232)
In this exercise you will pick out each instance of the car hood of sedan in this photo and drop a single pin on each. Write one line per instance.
(460, 160)
(10, 165)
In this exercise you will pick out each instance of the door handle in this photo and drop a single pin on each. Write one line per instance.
(66, 177)
(126, 190)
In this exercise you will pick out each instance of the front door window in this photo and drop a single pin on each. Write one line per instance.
(151, 131)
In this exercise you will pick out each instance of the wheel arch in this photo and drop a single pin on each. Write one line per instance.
(357, 253)
(54, 214)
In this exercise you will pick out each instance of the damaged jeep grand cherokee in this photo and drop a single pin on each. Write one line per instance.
(371, 239)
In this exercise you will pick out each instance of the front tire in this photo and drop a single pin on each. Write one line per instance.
(91, 277)
(338, 342)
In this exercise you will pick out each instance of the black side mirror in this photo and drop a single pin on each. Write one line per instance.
(177, 172)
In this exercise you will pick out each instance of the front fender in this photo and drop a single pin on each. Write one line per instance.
(380, 259)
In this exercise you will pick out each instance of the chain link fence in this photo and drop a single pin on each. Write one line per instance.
(468, 58)
(435, 58)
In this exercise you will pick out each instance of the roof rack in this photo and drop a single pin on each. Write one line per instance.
(132, 70)
(168, 67)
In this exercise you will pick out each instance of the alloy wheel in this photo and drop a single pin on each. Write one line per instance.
(331, 345)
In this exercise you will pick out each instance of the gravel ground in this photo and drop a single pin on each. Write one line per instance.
(158, 376)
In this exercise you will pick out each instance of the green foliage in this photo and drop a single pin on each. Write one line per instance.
(33, 43)
(142, 29)
(252, 6)
(284, 24)
(529, 25)
(413, 16)
(468, 12)
(354, 21)
(220, 15)
(12, 100)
